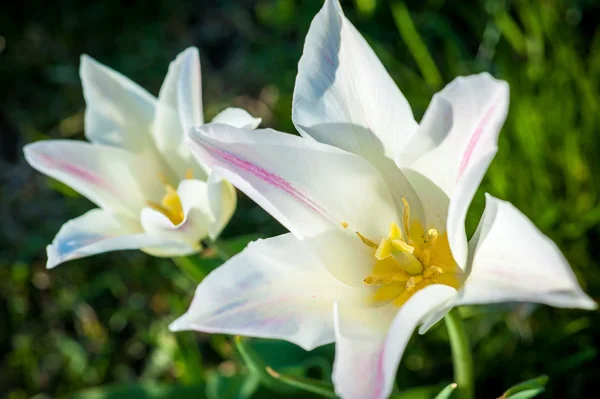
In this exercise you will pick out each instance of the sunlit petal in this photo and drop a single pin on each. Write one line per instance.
(118, 111)
(343, 94)
(309, 187)
(366, 358)
(112, 178)
(275, 288)
(98, 231)
(513, 261)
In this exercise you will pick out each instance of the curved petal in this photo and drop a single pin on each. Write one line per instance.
(343, 94)
(237, 117)
(511, 260)
(112, 178)
(366, 360)
(462, 124)
(455, 144)
(309, 187)
(197, 216)
(275, 288)
(222, 199)
(189, 89)
(98, 231)
(344, 255)
(119, 113)
(179, 107)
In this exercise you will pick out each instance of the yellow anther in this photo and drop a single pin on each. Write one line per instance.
(345, 225)
(395, 233)
(366, 241)
(170, 205)
(384, 250)
(401, 246)
(412, 282)
(430, 238)
(432, 271)
(189, 174)
(406, 218)
(376, 280)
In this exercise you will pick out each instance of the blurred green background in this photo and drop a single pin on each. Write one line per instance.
(103, 320)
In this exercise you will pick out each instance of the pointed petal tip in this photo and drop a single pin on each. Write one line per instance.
(179, 324)
(53, 258)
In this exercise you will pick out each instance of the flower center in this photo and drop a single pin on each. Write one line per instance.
(409, 260)
(170, 204)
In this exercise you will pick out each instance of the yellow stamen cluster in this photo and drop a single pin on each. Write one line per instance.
(409, 260)
(170, 204)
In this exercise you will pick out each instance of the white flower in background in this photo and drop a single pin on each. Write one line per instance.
(151, 193)
(376, 207)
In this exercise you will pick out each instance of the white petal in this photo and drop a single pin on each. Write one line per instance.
(513, 261)
(189, 89)
(455, 144)
(112, 178)
(344, 255)
(343, 94)
(179, 105)
(222, 199)
(461, 124)
(275, 288)
(197, 216)
(309, 187)
(365, 364)
(119, 112)
(237, 117)
(98, 231)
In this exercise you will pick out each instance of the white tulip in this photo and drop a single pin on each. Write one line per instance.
(375, 204)
(151, 193)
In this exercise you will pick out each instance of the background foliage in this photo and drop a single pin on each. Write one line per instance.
(103, 320)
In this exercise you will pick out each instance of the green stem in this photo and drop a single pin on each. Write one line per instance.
(462, 358)
(219, 250)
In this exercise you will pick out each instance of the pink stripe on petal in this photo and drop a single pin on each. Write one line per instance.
(74, 170)
(264, 175)
(380, 379)
(475, 139)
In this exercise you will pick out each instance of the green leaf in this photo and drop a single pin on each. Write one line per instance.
(526, 389)
(423, 392)
(255, 364)
(446, 392)
(415, 44)
(190, 266)
(142, 391)
(307, 384)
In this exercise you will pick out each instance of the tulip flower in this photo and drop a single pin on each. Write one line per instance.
(150, 191)
(375, 204)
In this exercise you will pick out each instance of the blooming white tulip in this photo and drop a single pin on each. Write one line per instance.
(151, 193)
(376, 206)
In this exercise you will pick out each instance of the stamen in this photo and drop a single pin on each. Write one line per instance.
(401, 277)
(430, 238)
(366, 241)
(170, 205)
(189, 174)
(345, 225)
(412, 282)
(376, 280)
(406, 218)
(433, 271)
